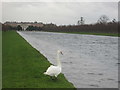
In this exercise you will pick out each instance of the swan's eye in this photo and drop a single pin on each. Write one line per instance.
(61, 53)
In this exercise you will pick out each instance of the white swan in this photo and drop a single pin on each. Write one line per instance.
(55, 70)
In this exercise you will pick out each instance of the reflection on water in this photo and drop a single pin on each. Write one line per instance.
(89, 61)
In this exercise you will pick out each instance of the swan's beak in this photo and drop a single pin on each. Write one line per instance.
(61, 53)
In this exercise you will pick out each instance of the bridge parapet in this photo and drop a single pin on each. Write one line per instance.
(24, 25)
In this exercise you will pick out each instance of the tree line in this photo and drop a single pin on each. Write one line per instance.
(19, 28)
(8, 27)
(89, 28)
(102, 26)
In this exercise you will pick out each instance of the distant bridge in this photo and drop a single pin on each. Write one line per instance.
(24, 25)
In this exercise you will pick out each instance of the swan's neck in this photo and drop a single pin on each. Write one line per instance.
(58, 60)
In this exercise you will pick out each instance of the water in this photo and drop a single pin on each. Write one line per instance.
(89, 61)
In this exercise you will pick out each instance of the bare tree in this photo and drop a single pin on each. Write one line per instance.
(81, 21)
(103, 19)
(114, 21)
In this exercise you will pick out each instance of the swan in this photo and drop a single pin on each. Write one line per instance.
(55, 70)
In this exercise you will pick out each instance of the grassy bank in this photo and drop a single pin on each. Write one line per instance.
(23, 66)
(101, 34)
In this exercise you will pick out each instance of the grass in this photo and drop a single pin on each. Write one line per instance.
(102, 34)
(23, 66)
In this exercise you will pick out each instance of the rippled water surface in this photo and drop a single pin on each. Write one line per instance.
(89, 61)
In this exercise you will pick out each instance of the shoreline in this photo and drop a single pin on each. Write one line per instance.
(85, 33)
(78, 47)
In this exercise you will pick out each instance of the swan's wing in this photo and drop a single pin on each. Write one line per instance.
(53, 70)
(50, 69)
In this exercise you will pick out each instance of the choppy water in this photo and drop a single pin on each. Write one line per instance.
(89, 61)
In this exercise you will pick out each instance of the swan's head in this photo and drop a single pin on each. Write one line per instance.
(59, 51)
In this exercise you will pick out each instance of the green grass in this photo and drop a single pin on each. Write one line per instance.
(102, 34)
(23, 66)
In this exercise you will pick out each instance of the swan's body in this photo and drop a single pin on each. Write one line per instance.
(54, 70)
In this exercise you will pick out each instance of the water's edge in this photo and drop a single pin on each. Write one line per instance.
(42, 54)
(89, 61)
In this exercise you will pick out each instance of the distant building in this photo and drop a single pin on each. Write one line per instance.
(24, 25)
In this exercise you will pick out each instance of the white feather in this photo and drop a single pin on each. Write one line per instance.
(54, 70)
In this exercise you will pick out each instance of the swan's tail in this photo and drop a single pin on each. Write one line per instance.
(45, 73)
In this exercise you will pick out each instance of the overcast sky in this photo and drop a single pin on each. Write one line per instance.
(59, 13)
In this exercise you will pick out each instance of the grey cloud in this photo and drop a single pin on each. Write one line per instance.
(58, 12)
